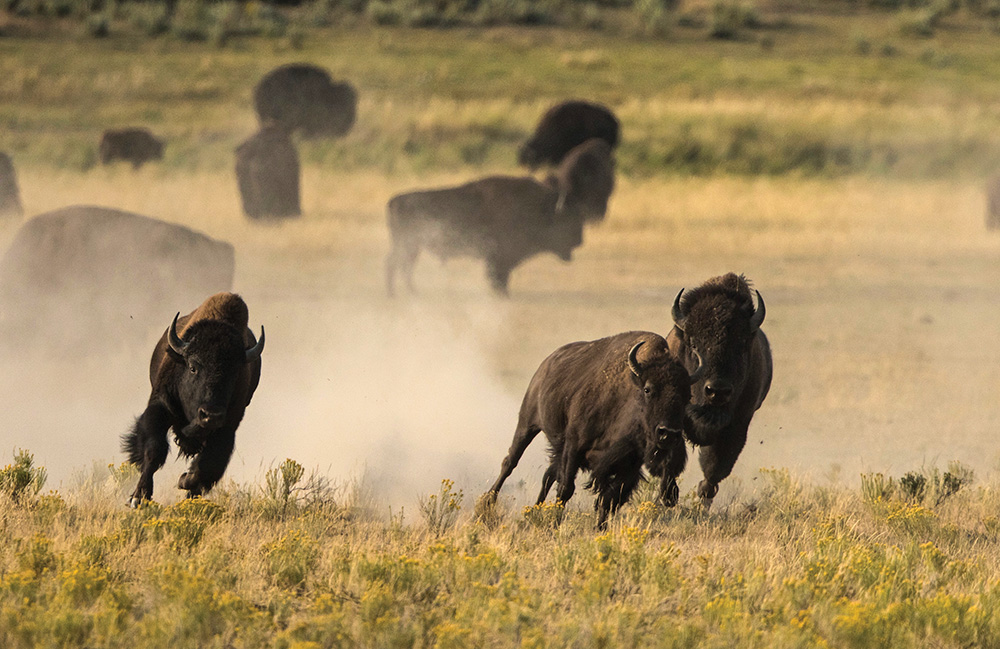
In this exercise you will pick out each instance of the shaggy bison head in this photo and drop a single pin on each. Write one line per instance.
(212, 353)
(665, 386)
(718, 323)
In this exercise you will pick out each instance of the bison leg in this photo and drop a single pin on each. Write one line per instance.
(566, 475)
(208, 466)
(616, 492)
(673, 466)
(401, 258)
(498, 272)
(717, 462)
(522, 437)
(548, 480)
(146, 445)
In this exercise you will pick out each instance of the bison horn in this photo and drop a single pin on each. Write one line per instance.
(698, 371)
(254, 352)
(676, 312)
(757, 319)
(175, 342)
(633, 364)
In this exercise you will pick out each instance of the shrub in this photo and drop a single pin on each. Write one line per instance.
(730, 18)
(280, 485)
(440, 511)
(655, 16)
(22, 479)
(291, 558)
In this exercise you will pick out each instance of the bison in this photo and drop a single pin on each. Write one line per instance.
(604, 410)
(267, 171)
(565, 126)
(135, 145)
(993, 204)
(10, 196)
(501, 219)
(717, 327)
(105, 270)
(303, 98)
(203, 373)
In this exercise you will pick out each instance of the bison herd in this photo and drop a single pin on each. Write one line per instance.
(619, 408)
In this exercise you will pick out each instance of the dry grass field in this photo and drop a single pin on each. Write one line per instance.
(881, 287)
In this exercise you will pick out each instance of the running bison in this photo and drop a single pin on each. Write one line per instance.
(605, 411)
(103, 270)
(716, 327)
(501, 219)
(993, 204)
(305, 99)
(10, 196)
(204, 371)
(565, 126)
(267, 171)
(135, 145)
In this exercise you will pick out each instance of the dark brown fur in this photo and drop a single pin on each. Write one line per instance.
(303, 98)
(601, 417)
(10, 195)
(501, 219)
(267, 171)
(135, 145)
(211, 377)
(993, 204)
(564, 127)
(716, 320)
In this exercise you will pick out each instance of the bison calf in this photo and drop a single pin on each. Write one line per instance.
(135, 145)
(501, 219)
(267, 171)
(203, 372)
(564, 127)
(717, 327)
(606, 411)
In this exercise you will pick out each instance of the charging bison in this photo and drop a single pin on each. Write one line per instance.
(203, 372)
(604, 410)
(717, 328)
(10, 195)
(135, 145)
(564, 127)
(104, 270)
(267, 172)
(503, 220)
(303, 98)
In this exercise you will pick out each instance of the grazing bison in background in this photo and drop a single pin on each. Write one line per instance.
(303, 98)
(103, 270)
(501, 219)
(135, 145)
(605, 411)
(267, 171)
(203, 372)
(993, 204)
(10, 195)
(717, 327)
(565, 126)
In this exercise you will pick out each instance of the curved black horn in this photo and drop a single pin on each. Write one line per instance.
(698, 371)
(633, 364)
(175, 342)
(757, 319)
(676, 313)
(254, 352)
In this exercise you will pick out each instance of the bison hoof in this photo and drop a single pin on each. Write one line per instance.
(134, 502)
(671, 495)
(187, 481)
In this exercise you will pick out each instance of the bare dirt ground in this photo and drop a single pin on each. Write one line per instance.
(882, 310)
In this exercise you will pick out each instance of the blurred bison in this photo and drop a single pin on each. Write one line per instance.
(203, 372)
(303, 98)
(10, 195)
(104, 271)
(267, 171)
(604, 411)
(564, 127)
(135, 145)
(993, 204)
(717, 327)
(501, 219)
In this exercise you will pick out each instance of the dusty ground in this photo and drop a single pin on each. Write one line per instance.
(882, 311)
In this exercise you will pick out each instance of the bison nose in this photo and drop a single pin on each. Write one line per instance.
(718, 391)
(208, 417)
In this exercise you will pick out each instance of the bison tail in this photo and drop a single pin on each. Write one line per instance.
(132, 444)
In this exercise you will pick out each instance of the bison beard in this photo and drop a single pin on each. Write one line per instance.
(604, 410)
(202, 381)
(718, 323)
